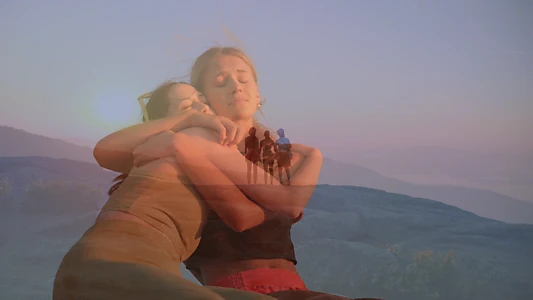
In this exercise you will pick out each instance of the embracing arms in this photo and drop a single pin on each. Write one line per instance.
(209, 164)
(115, 151)
(219, 177)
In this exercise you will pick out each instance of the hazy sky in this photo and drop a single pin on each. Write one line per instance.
(336, 74)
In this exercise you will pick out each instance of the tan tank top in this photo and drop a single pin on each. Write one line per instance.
(164, 199)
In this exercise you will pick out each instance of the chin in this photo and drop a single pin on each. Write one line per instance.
(243, 115)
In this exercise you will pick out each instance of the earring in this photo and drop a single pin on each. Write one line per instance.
(260, 103)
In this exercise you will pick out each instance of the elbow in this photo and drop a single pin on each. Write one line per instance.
(99, 156)
(293, 212)
(240, 226)
(242, 222)
(299, 196)
(316, 153)
(112, 160)
(289, 207)
(103, 153)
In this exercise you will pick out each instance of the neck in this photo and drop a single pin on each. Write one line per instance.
(244, 124)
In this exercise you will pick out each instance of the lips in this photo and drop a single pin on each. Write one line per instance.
(239, 100)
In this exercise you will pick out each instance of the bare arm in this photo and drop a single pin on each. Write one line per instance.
(227, 200)
(207, 163)
(115, 151)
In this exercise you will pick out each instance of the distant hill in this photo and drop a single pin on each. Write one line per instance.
(22, 170)
(16, 142)
(53, 185)
(482, 202)
(510, 174)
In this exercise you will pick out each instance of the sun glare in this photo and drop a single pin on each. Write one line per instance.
(116, 108)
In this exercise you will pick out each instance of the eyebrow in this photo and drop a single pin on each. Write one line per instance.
(224, 72)
(180, 104)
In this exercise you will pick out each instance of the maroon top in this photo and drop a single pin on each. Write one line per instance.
(269, 240)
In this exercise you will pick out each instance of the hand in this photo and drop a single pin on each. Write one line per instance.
(156, 147)
(229, 133)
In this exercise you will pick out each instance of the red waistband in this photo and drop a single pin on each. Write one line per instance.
(264, 281)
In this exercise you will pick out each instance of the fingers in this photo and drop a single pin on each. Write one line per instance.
(231, 132)
(239, 136)
(219, 127)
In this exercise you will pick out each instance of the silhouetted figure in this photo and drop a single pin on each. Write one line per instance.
(251, 150)
(267, 149)
(284, 155)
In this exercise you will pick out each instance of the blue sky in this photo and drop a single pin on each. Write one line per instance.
(336, 74)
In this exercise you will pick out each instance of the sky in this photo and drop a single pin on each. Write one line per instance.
(335, 74)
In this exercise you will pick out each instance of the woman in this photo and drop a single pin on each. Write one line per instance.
(262, 258)
(150, 224)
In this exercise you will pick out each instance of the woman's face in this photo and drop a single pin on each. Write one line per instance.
(183, 97)
(229, 86)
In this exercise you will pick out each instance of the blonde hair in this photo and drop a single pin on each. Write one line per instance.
(202, 64)
(204, 60)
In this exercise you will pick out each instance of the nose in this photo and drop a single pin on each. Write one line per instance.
(200, 107)
(235, 85)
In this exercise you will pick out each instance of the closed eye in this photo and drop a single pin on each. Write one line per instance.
(185, 104)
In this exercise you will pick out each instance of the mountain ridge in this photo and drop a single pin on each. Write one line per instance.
(19, 143)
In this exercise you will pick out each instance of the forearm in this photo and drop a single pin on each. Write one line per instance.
(286, 200)
(114, 152)
(225, 198)
(291, 200)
